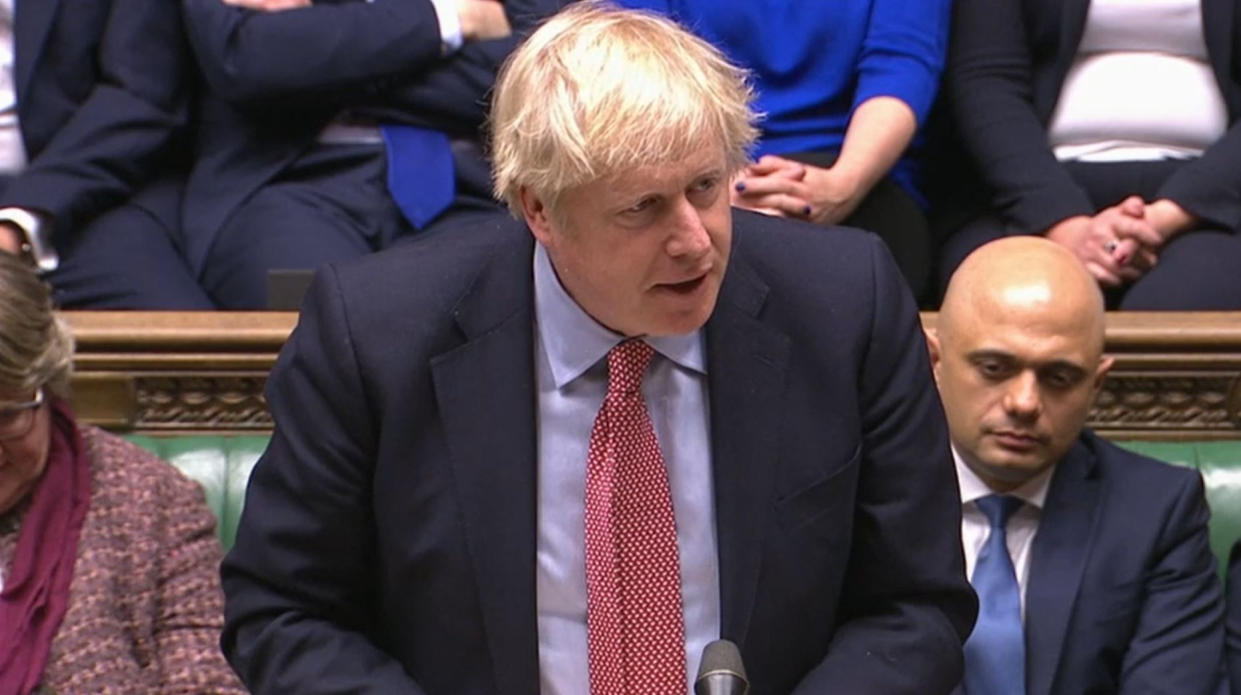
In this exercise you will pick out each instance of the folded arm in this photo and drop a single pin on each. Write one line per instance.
(118, 135)
(253, 55)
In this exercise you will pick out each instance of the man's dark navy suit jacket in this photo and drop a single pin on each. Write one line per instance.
(388, 539)
(1123, 594)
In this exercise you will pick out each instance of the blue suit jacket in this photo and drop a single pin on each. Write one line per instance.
(1122, 596)
(275, 79)
(102, 87)
(388, 539)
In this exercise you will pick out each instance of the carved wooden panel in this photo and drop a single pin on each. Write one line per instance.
(176, 372)
(1177, 376)
(1205, 403)
(201, 401)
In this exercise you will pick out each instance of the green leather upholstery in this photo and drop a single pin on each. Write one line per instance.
(221, 463)
(1220, 463)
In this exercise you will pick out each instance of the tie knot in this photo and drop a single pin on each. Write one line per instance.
(998, 508)
(626, 365)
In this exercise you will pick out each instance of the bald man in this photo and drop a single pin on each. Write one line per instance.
(1091, 563)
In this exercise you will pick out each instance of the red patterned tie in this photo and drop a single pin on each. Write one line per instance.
(635, 625)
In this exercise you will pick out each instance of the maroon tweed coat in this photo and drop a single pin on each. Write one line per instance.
(145, 608)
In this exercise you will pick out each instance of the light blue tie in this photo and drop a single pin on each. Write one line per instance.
(995, 653)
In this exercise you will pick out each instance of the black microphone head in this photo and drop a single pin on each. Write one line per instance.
(721, 672)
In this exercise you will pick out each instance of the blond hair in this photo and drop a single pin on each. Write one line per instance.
(597, 91)
(36, 347)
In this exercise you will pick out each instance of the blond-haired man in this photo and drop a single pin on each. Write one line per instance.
(562, 455)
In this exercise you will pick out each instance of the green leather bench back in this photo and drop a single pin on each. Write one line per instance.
(1220, 464)
(222, 464)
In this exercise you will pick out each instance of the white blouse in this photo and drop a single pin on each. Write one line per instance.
(1141, 86)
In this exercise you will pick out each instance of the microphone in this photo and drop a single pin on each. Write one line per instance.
(721, 671)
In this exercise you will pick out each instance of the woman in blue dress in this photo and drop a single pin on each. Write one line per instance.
(845, 86)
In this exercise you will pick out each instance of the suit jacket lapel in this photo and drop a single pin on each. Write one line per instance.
(32, 20)
(1057, 560)
(1072, 26)
(486, 394)
(746, 362)
(1217, 29)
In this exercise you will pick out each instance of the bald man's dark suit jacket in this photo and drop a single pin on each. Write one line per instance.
(1123, 595)
(389, 530)
(1234, 618)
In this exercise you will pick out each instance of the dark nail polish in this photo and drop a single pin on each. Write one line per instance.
(741, 185)
(806, 211)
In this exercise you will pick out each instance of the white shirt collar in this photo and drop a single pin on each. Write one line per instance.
(1033, 492)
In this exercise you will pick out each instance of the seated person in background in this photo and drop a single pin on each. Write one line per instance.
(543, 458)
(844, 86)
(1091, 563)
(1112, 127)
(93, 97)
(108, 555)
(315, 112)
(1234, 619)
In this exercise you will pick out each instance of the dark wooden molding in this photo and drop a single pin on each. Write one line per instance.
(1177, 375)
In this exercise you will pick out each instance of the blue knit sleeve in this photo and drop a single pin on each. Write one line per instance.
(903, 53)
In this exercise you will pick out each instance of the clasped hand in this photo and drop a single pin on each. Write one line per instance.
(1121, 243)
(782, 187)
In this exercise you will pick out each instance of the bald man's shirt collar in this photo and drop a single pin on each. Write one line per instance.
(1022, 526)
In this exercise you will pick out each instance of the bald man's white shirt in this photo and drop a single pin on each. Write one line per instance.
(1022, 525)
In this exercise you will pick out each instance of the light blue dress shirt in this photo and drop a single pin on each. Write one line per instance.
(571, 375)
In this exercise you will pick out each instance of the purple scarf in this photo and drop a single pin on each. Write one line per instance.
(36, 587)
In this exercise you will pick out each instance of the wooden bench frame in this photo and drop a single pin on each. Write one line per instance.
(1177, 375)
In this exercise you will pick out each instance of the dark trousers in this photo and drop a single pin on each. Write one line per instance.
(125, 258)
(1198, 269)
(331, 204)
(892, 213)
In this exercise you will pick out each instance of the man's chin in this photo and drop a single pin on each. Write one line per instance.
(678, 325)
(677, 318)
(1013, 468)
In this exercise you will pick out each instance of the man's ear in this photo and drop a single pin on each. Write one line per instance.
(538, 218)
(932, 346)
(1100, 373)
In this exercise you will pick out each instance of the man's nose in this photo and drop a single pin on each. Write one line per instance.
(689, 236)
(1022, 399)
